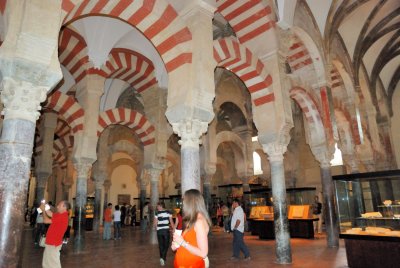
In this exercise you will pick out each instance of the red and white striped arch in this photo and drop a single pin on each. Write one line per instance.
(156, 19)
(238, 59)
(311, 113)
(341, 106)
(69, 108)
(298, 57)
(73, 53)
(62, 128)
(249, 18)
(131, 67)
(130, 118)
(336, 79)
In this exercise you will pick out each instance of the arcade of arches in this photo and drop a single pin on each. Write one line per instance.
(151, 98)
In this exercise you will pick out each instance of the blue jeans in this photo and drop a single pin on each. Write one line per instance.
(117, 229)
(107, 230)
(239, 245)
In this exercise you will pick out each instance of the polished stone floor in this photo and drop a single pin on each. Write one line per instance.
(136, 249)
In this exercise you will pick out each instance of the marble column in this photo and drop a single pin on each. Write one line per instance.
(97, 204)
(44, 166)
(41, 186)
(154, 179)
(281, 222)
(358, 199)
(21, 101)
(331, 220)
(190, 132)
(83, 170)
(210, 169)
(107, 186)
(144, 181)
(66, 188)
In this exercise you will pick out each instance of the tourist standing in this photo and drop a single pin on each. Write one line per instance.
(146, 212)
(117, 223)
(162, 223)
(192, 247)
(107, 222)
(237, 226)
(58, 225)
(317, 211)
(178, 220)
(133, 213)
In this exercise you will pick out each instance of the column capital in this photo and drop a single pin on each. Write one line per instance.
(190, 132)
(275, 151)
(107, 185)
(154, 174)
(22, 99)
(322, 155)
(83, 168)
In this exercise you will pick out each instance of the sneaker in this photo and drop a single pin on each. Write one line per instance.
(162, 262)
(233, 258)
(247, 258)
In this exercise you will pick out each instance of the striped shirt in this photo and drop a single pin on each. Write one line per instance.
(163, 217)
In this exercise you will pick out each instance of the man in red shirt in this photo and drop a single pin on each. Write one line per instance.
(107, 222)
(58, 225)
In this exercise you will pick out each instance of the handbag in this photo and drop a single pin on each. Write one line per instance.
(42, 241)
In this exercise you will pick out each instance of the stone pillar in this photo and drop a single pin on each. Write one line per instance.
(66, 187)
(331, 221)
(209, 170)
(97, 204)
(190, 132)
(154, 179)
(45, 160)
(41, 186)
(29, 68)
(144, 181)
(191, 90)
(282, 236)
(83, 169)
(107, 186)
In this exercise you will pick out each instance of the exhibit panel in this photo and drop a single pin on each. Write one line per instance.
(368, 206)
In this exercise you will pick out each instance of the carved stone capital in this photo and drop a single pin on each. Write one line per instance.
(275, 151)
(154, 174)
(107, 185)
(22, 99)
(322, 155)
(83, 168)
(190, 132)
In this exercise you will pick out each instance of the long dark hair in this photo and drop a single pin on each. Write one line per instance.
(193, 204)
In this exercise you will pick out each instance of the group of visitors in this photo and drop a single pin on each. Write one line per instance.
(190, 231)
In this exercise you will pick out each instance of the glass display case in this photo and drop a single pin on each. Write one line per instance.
(368, 206)
(369, 203)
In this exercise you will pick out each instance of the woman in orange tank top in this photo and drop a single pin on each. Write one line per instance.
(192, 247)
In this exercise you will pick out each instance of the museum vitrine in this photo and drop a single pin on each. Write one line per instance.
(368, 206)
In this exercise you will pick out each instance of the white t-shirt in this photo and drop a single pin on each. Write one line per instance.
(238, 214)
(117, 215)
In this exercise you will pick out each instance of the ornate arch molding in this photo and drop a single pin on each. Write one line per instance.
(69, 108)
(157, 20)
(316, 129)
(132, 119)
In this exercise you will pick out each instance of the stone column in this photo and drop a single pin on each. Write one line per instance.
(191, 90)
(331, 221)
(44, 165)
(66, 187)
(107, 186)
(29, 68)
(190, 132)
(144, 181)
(83, 171)
(282, 236)
(97, 204)
(209, 171)
(21, 101)
(154, 179)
